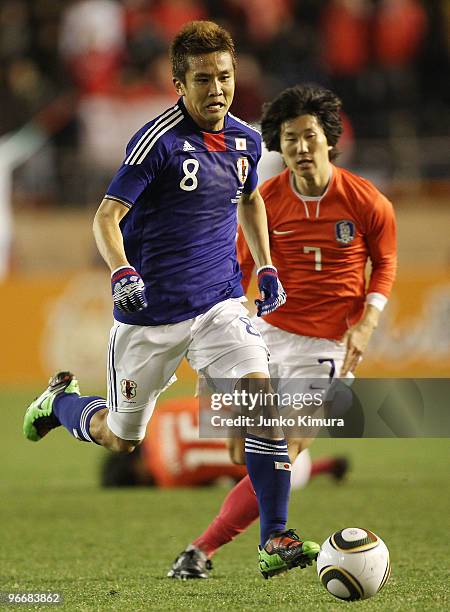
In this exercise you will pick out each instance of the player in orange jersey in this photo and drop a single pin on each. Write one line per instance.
(325, 223)
(172, 455)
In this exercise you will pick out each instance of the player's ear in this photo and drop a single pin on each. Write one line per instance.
(179, 86)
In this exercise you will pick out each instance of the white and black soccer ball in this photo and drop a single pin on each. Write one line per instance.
(353, 563)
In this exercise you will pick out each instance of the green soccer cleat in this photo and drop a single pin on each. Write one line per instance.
(283, 551)
(270, 565)
(39, 418)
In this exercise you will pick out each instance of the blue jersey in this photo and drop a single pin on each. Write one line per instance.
(182, 185)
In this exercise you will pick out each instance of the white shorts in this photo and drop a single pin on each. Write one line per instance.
(221, 343)
(294, 357)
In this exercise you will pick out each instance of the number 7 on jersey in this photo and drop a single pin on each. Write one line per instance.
(317, 256)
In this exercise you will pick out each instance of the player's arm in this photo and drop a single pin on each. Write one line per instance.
(126, 283)
(245, 259)
(253, 221)
(357, 337)
(130, 181)
(381, 238)
(107, 234)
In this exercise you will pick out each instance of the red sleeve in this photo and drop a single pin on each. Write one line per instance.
(245, 259)
(381, 238)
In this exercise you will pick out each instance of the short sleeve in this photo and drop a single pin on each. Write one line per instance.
(252, 180)
(140, 167)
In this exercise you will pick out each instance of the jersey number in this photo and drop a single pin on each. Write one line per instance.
(189, 181)
(249, 327)
(332, 368)
(317, 256)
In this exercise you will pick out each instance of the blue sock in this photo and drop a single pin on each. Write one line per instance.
(75, 413)
(269, 468)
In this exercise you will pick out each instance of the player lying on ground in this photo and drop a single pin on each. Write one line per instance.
(324, 224)
(173, 455)
(166, 228)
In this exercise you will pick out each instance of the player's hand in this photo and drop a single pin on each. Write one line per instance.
(272, 293)
(356, 340)
(128, 290)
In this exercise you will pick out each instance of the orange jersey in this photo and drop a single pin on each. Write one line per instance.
(321, 248)
(175, 455)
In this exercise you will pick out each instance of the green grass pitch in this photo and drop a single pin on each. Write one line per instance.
(110, 550)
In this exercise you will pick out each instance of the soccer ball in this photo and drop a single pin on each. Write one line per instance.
(353, 563)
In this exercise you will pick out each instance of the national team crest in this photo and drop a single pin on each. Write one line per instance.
(345, 231)
(128, 388)
(242, 168)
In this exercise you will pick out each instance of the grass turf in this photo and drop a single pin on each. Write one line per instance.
(111, 549)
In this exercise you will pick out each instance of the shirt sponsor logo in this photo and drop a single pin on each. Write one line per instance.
(187, 146)
(345, 231)
(128, 388)
(241, 144)
(242, 168)
(280, 233)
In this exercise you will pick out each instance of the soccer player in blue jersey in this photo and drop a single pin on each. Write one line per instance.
(166, 228)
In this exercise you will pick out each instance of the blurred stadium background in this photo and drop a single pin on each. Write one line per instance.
(76, 78)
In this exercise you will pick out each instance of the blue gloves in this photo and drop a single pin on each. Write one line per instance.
(128, 290)
(272, 293)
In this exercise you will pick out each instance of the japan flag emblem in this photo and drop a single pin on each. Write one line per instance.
(242, 168)
(241, 144)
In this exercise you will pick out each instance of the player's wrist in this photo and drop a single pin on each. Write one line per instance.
(128, 290)
(368, 323)
(377, 300)
(267, 269)
(122, 269)
(371, 317)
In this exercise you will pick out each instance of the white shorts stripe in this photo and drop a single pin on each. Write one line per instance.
(158, 135)
(143, 141)
(109, 372)
(112, 382)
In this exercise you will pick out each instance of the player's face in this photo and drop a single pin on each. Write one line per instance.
(305, 149)
(208, 89)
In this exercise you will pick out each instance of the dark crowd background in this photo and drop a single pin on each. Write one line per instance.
(387, 59)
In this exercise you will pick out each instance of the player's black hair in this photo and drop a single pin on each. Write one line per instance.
(307, 99)
(122, 470)
(195, 38)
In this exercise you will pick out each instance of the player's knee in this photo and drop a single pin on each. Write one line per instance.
(254, 383)
(236, 450)
(237, 457)
(296, 446)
